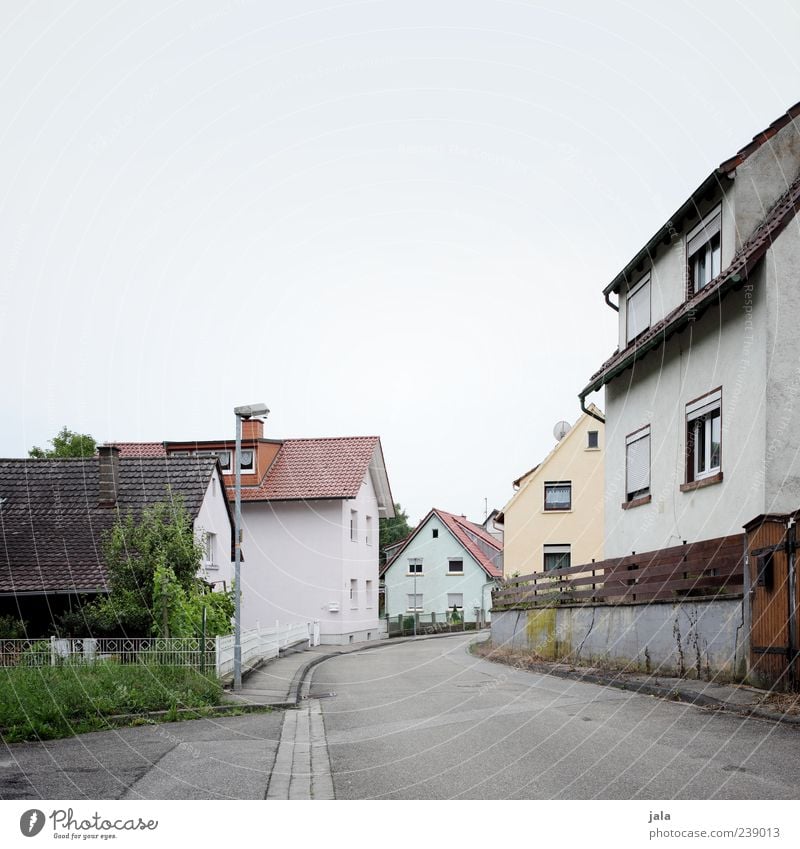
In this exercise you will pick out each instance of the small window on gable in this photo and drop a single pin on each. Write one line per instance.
(637, 309)
(455, 567)
(435, 533)
(593, 439)
(414, 565)
(558, 495)
(703, 251)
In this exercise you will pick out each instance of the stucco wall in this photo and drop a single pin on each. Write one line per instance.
(299, 560)
(213, 518)
(670, 638)
(529, 527)
(435, 583)
(725, 347)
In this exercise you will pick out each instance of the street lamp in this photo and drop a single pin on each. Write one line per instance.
(247, 411)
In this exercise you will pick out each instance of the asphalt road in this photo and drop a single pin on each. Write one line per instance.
(426, 720)
(225, 758)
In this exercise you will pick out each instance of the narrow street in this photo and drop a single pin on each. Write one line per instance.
(427, 720)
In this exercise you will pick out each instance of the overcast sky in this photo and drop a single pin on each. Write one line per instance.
(390, 218)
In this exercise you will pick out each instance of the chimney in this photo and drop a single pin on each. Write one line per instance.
(253, 429)
(109, 475)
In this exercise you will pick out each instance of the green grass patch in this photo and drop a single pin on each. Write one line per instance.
(50, 702)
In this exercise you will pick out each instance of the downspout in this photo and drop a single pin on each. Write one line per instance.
(588, 412)
(614, 307)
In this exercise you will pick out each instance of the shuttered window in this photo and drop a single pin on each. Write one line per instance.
(637, 464)
(703, 249)
(637, 309)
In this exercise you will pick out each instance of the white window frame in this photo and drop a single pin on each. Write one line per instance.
(369, 596)
(450, 561)
(700, 240)
(209, 550)
(354, 525)
(589, 446)
(701, 414)
(558, 549)
(368, 522)
(451, 603)
(249, 469)
(416, 605)
(636, 492)
(415, 562)
(353, 593)
(635, 292)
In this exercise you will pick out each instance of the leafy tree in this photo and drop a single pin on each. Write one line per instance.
(152, 566)
(66, 443)
(393, 530)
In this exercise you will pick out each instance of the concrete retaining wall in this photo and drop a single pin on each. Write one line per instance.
(671, 638)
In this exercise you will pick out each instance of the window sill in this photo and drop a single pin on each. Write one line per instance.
(559, 512)
(699, 484)
(591, 449)
(414, 574)
(455, 574)
(636, 502)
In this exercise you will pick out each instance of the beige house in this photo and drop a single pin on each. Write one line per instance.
(555, 518)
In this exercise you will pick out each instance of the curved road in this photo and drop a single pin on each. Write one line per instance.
(427, 720)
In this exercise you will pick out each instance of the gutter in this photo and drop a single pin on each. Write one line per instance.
(585, 409)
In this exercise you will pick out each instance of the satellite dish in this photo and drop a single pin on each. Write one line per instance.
(561, 429)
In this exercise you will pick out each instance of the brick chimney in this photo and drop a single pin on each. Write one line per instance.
(252, 429)
(109, 475)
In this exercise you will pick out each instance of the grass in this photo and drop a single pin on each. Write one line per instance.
(50, 702)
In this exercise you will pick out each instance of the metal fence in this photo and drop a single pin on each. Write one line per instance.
(213, 654)
(410, 624)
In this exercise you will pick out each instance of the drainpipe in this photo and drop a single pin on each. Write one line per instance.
(613, 306)
(589, 412)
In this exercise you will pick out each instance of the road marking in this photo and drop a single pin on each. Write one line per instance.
(302, 768)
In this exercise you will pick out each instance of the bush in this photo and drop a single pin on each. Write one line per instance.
(12, 628)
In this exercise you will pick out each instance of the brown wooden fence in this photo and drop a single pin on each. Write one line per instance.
(712, 567)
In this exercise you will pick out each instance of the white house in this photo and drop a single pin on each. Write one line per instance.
(310, 514)
(446, 562)
(701, 396)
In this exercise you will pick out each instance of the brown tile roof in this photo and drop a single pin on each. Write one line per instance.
(141, 449)
(484, 548)
(51, 528)
(734, 276)
(307, 469)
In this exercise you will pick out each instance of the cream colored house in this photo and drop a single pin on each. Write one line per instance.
(555, 518)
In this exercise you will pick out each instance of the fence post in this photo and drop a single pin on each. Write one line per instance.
(217, 654)
(52, 651)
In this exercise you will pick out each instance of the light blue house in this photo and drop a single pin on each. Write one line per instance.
(447, 562)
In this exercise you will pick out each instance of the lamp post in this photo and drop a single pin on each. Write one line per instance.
(248, 411)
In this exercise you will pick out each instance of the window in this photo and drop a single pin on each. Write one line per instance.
(368, 522)
(637, 464)
(558, 495)
(455, 567)
(593, 439)
(435, 532)
(247, 460)
(354, 526)
(455, 600)
(210, 550)
(224, 458)
(415, 601)
(704, 436)
(557, 557)
(369, 596)
(354, 592)
(703, 250)
(414, 565)
(637, 309)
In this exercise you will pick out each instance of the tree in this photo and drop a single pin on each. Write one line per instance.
(66, 443)
(393, 530)
(152, 564)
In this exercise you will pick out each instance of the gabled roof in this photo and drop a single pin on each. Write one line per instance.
(51, 527)
(522, 481)
(471, 537)
(715, 180)
(310, 469)
(732, 277)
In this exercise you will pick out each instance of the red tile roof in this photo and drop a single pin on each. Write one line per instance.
(315, 468)
(481, 545)
(141, 449)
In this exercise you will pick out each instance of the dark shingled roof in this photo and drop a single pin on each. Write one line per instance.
(51, 528)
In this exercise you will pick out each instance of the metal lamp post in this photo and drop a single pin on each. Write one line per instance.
(248, 411)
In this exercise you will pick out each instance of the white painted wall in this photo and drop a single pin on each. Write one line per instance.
(299, 561)
(213, 517)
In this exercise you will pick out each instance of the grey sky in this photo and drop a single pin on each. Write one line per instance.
(378, 217)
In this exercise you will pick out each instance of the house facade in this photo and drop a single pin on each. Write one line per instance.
(701, 395)
(446, 562)
(555, 519)
(55, 513)
(310, 522)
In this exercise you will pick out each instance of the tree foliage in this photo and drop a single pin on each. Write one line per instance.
(393, 530)
(152, 564)
(66, 443)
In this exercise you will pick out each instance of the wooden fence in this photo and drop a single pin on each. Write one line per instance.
(712, 567)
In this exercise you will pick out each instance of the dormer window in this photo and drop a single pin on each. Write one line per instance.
(637, 309)
(703, 250)
(247, 460)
